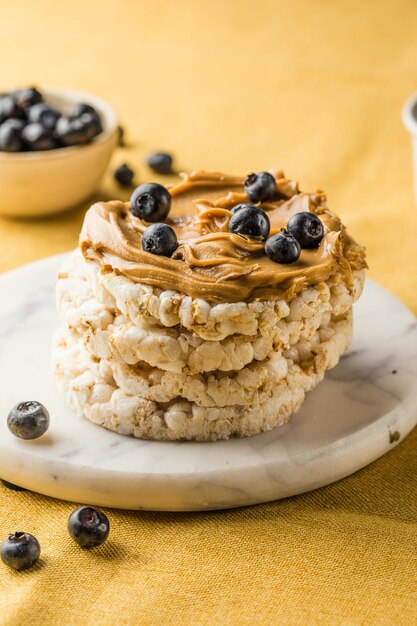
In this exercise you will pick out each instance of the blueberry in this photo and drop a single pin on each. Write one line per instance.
(307, 228)
(72, 132)
(124, 175)
(250, 221)
(282, 247)
(88, 116)
(237, 207)
(159, 239)
(81, 108)
(88, 526)
(92, 124)
(44, 115)
(28, 420)
(160, 162)
(26, 98)
(121, 137)
(11, 135)
(12, 486)
(20, 550)
(151, 202)
(36, 137)
(9, 109)
(260, 187)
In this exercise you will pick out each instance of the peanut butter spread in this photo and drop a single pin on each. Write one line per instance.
(210, 262)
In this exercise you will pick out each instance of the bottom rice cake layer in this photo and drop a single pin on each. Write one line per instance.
(129, 401)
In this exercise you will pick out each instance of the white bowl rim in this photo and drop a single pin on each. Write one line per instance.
(104, 108)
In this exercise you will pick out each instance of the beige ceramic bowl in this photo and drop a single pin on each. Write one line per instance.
(39, 183)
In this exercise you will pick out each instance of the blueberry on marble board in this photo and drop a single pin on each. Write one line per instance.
(88, 526)
(20, 550)
(28, 420)
(150, 202)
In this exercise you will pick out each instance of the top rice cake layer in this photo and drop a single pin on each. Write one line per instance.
(216, 283)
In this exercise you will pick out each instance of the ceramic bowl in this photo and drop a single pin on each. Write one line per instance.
(44, 182)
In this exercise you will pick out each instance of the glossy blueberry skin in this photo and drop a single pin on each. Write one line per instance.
(124, 175)
(160, 162)
(92, 123)
(20, 550)
(307, 228)
(150, 202)
(88, 117)
(88, 526)
(36, 137)
(28, 420)
(237, 207)
(26, 98)
(81, 108)
(11, 486)
(11, 135)
(260, 187)
(72, 132)
(9, 109)
(159, 239)
(44, 115)
(282, 248)
(250, 221)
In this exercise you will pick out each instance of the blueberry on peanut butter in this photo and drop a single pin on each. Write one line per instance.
(307, 228)
(283, 247)
(242, 205)
(150, 202)
(159, 239)
(250, 221)
(260, 187)
(28, 420)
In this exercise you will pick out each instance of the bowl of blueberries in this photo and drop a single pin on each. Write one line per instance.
(55, 146)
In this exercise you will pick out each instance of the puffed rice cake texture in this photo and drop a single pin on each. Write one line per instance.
(160, 365)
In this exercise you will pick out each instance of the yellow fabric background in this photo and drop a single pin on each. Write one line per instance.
(316, 87)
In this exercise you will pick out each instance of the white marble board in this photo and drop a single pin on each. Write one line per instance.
(362, 410)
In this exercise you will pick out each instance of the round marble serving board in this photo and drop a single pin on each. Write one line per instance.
(364, 407)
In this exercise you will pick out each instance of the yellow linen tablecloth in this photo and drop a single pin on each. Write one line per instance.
(315, 87)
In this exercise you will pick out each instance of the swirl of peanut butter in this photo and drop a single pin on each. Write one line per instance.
(210, 262)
